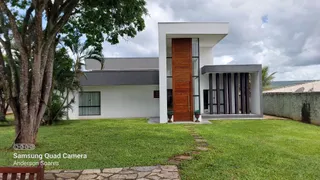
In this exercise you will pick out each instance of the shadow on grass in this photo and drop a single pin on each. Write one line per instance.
(6, 123)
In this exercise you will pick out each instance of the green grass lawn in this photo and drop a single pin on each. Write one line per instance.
(107, 143)
(257, 149)
(239, 149)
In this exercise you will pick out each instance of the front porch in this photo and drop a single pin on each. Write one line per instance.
(232, 91)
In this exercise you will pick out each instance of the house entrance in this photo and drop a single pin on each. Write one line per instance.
(182, 79)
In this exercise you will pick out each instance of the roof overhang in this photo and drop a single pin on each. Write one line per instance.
(120, 77)
(209, 33)
(249, 68)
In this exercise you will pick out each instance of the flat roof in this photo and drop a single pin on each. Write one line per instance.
(124, 63)
(120, 77)
(237, 68)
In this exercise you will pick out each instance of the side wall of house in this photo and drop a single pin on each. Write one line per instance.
(126, 101)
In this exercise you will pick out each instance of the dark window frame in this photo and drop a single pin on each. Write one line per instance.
(198, 76)
(87, 92)
(156, 94)
(214, 104)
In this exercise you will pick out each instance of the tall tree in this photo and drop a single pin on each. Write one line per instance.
(266, 77)
(64, 82)
(35, 27)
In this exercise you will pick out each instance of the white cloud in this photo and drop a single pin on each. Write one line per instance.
(288, 43)
(222, 60)
(146, 42)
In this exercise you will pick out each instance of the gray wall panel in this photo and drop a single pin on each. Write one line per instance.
(103, 78)
(231, 68)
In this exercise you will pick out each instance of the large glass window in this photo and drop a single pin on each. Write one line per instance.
(195, 73)
(195, 85)
(196, 100)
(169, 99)
(195, 47)
(195, 66)
(206, 101)
(89, 103)
(169, 66)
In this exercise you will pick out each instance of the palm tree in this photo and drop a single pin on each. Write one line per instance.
(266, 77)
(66, 76)
(82, 52)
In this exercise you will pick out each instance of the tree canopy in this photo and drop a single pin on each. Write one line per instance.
(30, 32)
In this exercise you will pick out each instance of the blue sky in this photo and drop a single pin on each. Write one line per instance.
(284, 35)
(265, 19)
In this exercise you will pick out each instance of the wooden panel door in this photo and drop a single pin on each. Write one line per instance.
(182, 79)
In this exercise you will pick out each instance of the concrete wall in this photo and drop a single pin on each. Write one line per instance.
(122, 102)
(290, 104)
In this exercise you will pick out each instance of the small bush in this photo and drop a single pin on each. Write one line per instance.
(56, 111)
(305, 113)
(2, 117)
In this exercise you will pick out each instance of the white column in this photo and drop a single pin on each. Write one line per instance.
(163, 77)
(232, 94)
(256, 104)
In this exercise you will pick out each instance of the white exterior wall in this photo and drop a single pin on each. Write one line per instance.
(206, 58)
(256, 105)
(122, 102)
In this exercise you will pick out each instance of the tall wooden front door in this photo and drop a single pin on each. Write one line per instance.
(182, 79)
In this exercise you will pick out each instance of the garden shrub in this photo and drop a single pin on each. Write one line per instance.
(305, 113)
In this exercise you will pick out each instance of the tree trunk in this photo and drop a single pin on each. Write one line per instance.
(6, 109)
(29, 92)
(49, 107)
(26, 134)
(2, 103)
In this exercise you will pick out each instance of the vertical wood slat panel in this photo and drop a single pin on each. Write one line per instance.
(13, 176)
(12, 172)
(40, 175)
(23, 176)
(4, 176)
(31, 176)
(182, 79)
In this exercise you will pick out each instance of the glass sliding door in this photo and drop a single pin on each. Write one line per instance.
(206, 102)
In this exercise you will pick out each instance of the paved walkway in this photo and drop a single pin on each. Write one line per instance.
(169, 172)
(201, 145)
(166, 172)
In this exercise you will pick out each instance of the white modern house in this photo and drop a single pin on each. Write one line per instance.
(183, 79)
